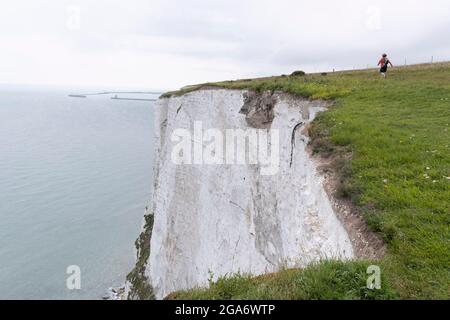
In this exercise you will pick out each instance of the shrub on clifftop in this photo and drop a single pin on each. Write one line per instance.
(298, 73)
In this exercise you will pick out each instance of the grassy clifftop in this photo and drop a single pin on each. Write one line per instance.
(397, 132)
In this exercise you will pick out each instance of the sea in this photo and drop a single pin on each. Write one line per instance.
(75, 178)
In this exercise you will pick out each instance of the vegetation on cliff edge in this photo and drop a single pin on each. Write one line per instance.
(140, 288)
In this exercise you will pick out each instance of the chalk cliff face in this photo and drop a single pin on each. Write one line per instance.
(216, 220)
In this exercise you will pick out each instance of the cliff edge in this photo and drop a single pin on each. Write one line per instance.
(212, 220)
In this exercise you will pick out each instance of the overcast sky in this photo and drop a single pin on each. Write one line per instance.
(167, 44)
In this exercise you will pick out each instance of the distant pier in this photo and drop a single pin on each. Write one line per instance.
(115, 97)
(134, 99)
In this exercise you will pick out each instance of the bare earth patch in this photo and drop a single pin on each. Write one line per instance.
(366, 244)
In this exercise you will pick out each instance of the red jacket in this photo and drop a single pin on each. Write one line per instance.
(384, 61)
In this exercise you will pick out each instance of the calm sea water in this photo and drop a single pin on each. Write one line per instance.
(75, 177)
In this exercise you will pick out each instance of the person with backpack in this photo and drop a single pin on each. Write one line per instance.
(384, 63)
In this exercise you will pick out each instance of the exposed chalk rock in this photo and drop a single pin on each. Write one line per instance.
(259, 109)
(222, 219)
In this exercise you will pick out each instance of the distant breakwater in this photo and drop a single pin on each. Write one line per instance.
(85, 95)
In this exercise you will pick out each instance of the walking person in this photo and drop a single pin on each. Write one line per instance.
(384, 63)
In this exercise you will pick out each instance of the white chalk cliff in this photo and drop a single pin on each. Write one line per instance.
(223, 219)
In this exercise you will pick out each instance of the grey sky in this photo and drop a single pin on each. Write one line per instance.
(168, 44)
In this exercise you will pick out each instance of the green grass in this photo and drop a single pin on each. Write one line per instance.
(328, 280)
(397, 132)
